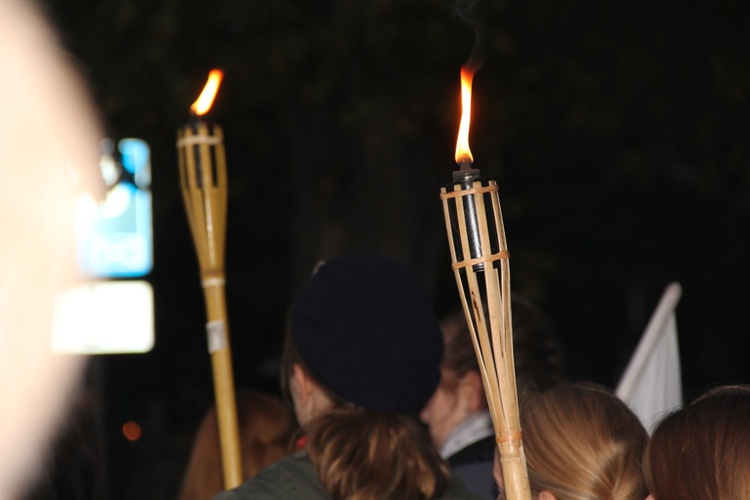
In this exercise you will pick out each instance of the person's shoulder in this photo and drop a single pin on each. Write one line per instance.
(481, 451)
(290, 478)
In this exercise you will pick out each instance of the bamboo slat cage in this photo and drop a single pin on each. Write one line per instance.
(479, 252)
(203, 179)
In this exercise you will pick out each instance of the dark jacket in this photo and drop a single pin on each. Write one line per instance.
(473, 465)
(294, 478)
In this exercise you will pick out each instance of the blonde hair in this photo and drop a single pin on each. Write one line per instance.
(703, 450)
(266, 426)
(582, 443)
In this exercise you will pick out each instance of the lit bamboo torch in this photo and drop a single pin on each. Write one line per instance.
(476, 237)
(203, 177)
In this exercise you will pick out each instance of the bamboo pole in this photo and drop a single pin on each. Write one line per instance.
(480, 257)
(203, 180)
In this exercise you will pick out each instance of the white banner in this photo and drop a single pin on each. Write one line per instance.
(652, 382)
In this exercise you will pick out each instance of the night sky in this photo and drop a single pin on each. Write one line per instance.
(617, 134)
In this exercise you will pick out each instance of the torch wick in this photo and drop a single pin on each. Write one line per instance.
(466, 172)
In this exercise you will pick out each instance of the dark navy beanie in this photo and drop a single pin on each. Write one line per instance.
(366, 330)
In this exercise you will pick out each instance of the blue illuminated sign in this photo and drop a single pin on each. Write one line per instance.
(115, 237)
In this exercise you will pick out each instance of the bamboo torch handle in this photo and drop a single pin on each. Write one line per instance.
(479, 252)
(221, 364)
(515, 472)
(204, 188)
(476, 239)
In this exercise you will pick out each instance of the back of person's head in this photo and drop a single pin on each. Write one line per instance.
(537, 354)
(536, 350)
(365, 331)
(265, 428)
(582, 443)
(702, 451)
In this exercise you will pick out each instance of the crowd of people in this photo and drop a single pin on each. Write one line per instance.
(384, 401)
(390, 404)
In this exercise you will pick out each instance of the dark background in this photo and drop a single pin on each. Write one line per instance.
(617, 132)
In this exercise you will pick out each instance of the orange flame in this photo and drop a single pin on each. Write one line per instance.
(463, 153)
(203, 104)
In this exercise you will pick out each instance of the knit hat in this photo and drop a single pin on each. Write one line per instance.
(367, 332)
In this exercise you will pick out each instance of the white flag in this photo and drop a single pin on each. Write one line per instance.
(652, 382)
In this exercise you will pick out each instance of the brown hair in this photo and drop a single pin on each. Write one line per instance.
(362, 454)
(703, 450)
(582, 443)
(537, 353)
(265, 428)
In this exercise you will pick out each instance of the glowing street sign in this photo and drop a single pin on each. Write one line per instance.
(115, 237)
(106, 317)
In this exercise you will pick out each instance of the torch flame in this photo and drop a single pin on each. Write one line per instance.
(201, 106)
(463, 153)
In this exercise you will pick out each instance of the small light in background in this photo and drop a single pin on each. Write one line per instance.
(131, 430)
